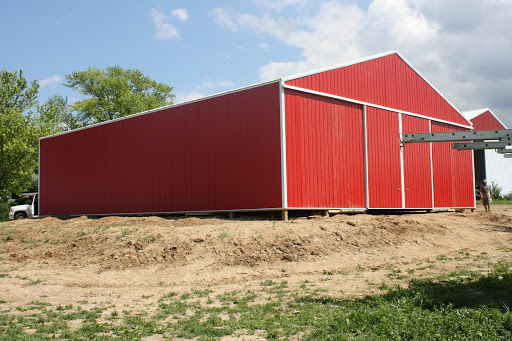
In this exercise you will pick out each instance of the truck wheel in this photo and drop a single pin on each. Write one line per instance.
(20, 216)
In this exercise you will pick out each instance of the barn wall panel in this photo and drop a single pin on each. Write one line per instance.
(384, 173)
(217, 154)
(387, 81)
(453, 172)
(325, 155)
(417, 166)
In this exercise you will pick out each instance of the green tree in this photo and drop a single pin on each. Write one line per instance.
(55, 116)
(115, 92)
(495, 190)
(19, 133)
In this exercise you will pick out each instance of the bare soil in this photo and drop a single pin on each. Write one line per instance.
(130, 261)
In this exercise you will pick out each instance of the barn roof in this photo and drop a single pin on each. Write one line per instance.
(282, 79)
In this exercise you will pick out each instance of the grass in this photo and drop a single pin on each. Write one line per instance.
(500, 201)
(459, 305)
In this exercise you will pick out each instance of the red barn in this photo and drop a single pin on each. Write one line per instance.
(327, 139)
(488, 163)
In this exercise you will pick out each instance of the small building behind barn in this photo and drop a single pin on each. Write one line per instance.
(489, 164)
(325, 139)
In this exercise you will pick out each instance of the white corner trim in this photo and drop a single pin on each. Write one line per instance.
(473, 172)
(346, 99)
(365, 151)
(431, 165)
(402, 171)
(282, 118)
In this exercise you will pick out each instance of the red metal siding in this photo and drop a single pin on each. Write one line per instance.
(417, 166)
(384, 175)
(387, 81)
(486, 121)
(217, 154)
(325, 153)
(453, 172)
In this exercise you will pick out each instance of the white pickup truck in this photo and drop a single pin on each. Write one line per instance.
(25, 211)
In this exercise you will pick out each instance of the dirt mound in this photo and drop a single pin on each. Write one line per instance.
(121, 261)
(124, 242)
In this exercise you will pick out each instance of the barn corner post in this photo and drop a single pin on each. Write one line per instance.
(365, 151)
(402, 175)
(282, 119)
(431, 166)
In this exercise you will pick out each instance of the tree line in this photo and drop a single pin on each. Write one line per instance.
(108, 94)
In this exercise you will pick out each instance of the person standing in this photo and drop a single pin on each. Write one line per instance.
(485, 194)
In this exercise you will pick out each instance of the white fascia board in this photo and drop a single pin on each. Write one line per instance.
(324, 94)
(475, 113)
(362, 60)
(338, 66)
(471, 114)
(165, 107)
(433, 87)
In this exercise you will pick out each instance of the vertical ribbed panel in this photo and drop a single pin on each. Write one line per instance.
(386, 81)
(486, 121)
(221, 153)
(417, 170)
(384, 174)
(324, 149)
(453, 172)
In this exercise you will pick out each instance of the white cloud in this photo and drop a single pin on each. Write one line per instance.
(180, 13)
(219, 84)
(50, 80)
(462, 46)
(224, 17)
(206, 88)
(278, 5)
(164, 29)
(264, 46)
(188, 96)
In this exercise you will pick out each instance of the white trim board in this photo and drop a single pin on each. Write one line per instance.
(471, 114)
(402, 171)
(338, 66)
(346, 99)
(282, 118)
(283, 79)
(362, 60)
(365, 150)
(433, 87)
(164, 108)
(432, 165)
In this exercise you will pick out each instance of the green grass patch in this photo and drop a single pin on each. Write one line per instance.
(462, 305)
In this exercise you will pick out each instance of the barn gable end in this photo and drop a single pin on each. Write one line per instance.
(484, 119)
(386, 80)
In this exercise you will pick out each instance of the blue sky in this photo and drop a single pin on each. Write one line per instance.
(203, 47)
